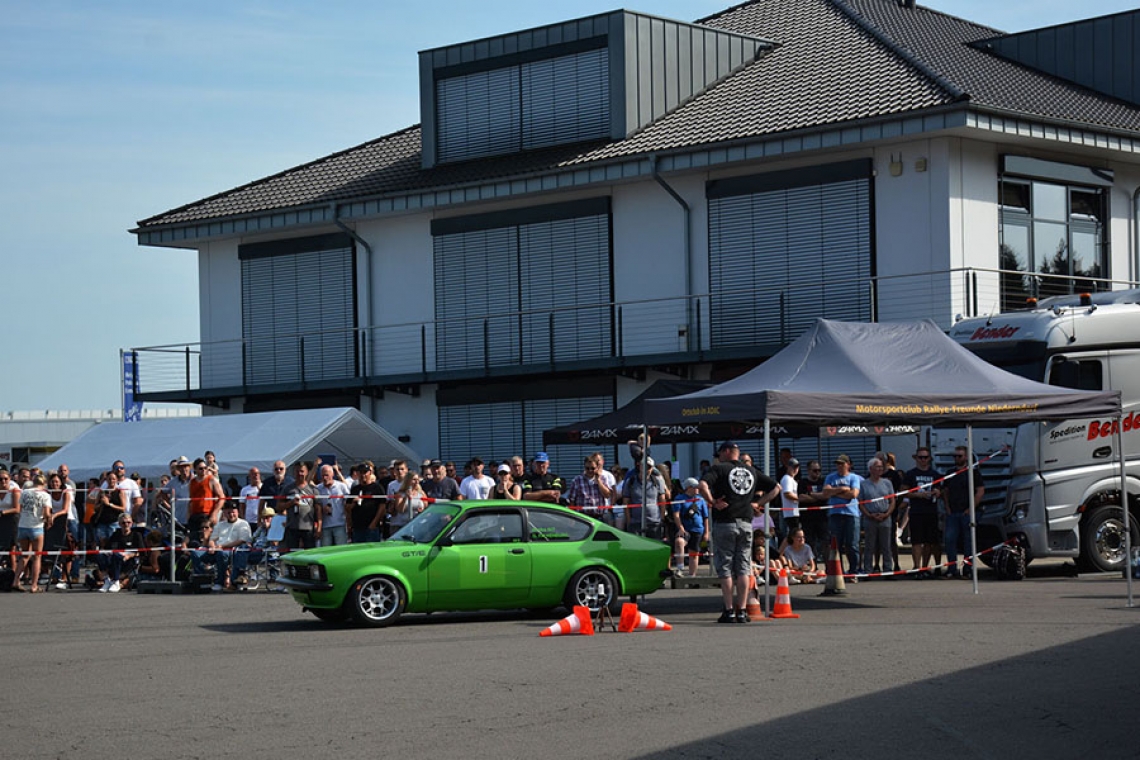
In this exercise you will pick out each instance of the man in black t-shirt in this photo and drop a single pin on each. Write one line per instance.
(735, 492)
(957, 493)
(366, 513)
(439, 486)
(126, 544)
(925, 537)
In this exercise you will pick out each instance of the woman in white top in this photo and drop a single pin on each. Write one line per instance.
(408, 502)
(35, 517)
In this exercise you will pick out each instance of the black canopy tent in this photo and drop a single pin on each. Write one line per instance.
(627, 422)
(879, 374)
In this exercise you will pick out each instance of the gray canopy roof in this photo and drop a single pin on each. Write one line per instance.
(240, 440)
(880, 374)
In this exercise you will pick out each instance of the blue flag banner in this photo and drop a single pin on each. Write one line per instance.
(132, 410)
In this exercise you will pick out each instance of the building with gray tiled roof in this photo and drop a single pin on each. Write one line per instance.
(603, 201)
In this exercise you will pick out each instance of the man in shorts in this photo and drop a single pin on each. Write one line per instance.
(735, 491)
(925, 541)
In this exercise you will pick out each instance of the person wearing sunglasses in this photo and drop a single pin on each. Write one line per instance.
(925, 538)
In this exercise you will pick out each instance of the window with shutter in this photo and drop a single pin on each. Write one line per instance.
(779, 258)
(298, 310)
(504, 290)
(534, 104)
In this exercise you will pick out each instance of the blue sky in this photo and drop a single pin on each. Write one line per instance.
(113, 111)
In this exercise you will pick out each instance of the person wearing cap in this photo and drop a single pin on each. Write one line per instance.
(540, 483)
(590, 490)
(439, 485)
(505, 485)
(476, 485)
(367, 510)
(842, 491)
(736, 492)
(691, 516)
(649, 493)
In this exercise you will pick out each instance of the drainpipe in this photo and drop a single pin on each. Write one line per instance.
(688, 214)
(366, 270)
(1134, 254)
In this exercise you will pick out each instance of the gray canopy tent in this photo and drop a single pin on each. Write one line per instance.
(881, 374)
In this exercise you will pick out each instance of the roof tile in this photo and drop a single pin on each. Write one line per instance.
(838, 61)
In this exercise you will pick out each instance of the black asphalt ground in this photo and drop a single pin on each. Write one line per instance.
(1044, 668)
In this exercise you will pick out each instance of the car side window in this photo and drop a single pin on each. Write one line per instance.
(554, 526)
(489, 528)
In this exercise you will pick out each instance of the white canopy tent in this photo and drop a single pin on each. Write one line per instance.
(239, 441)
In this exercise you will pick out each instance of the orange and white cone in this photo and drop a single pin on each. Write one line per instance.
(579, 621)
(835, 586)
(754, 609)
(633, 620)
(783, 608)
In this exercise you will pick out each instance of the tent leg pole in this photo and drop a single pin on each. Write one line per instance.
(973, 506)
(767, 544)
(1124, 506)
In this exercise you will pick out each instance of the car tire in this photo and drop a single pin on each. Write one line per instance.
(376, 601)
(583, 590)
(330, 616)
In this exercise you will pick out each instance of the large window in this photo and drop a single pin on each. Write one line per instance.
(298, 310)
(1052, 229)
(526, 287)
(786, 248)
(532, 104)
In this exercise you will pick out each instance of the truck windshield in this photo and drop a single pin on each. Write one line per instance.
(1024, 359)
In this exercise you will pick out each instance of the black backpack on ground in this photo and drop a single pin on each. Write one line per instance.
(1009, 562)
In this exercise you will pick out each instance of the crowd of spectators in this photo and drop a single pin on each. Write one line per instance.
(225, 528)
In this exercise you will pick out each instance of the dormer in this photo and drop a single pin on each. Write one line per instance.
(597, 78)
(1097, 53)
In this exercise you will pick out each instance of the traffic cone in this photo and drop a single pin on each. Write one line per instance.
(783, 608)
(835, 585)
(579, 621)
(754, 609)
(633, 620)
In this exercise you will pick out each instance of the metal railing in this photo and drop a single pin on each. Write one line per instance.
(750, 321)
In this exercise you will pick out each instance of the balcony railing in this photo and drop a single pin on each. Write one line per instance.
(749, 322)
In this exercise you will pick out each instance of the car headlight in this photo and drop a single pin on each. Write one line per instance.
(317, 573)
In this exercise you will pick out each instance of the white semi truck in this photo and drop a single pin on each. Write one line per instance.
(1058, 488)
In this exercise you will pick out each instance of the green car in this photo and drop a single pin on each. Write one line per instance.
(476, 555)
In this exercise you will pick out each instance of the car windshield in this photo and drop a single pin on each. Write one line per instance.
(428, 524)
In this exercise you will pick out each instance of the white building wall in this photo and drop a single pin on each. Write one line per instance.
(1124, 262)
(649, 269)
(401, 291)
(219, 306)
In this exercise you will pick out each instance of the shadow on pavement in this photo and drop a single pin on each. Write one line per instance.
(1070, 701)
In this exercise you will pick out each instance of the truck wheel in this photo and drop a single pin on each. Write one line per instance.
(1102, 540)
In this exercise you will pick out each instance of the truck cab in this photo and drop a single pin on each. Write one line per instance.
(1058, 488)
